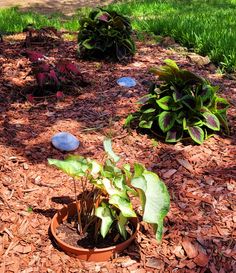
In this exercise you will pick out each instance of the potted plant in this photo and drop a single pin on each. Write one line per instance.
(103, 217)
(182, 105)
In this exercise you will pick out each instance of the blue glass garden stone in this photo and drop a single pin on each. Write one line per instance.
(126, 82)
(65, 142)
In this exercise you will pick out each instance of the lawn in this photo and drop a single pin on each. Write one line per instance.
(208, 27)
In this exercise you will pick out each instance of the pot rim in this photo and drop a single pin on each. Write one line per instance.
(133, 220)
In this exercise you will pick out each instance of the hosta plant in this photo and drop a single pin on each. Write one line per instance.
(110, 187)
(105, 35)
(181, 105)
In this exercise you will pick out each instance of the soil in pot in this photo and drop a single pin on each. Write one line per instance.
(67, 232)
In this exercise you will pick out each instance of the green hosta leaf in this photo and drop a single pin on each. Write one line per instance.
(165, 103)
(211, 121)
(196, 133)
(130, 45)
(149, 110)
(73, 165)
(206, 92)
(108, 149)
(223, 121)
(104, 213)
(174, 135)
(156, 199)
(171, 64)
(166, 121)
(128, 120)
(87, 44)
(123, 205)
(221, 103)
(146, 124)
(177, 96)
(122, 221)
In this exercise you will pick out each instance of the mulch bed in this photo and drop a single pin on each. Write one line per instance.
(199, 230)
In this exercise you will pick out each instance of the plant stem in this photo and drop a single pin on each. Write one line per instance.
(78, 209)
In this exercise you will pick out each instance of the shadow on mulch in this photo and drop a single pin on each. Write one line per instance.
(49, 213)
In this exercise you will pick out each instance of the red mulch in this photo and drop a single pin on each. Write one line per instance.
(200, 227)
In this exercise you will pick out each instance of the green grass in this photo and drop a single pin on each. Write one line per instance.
(13, 21)
(208, 26)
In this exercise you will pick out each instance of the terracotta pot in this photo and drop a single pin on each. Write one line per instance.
(96, 254)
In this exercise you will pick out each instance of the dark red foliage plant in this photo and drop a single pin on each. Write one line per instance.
(53, 76)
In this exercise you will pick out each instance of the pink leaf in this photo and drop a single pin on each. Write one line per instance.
(63, 79)
(44, 67)
(59, 95)
(53, 76)
(61, 67)
(73, 69)
(104, 17)
(30, 98)
(34, 56)
(41, 78)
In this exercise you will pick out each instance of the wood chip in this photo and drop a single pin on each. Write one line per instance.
(169, 173)
(185, 163)
(189, 248)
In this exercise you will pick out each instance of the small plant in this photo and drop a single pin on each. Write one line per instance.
(110, 190)
(105, 35)
(182, 105)
(53, 76)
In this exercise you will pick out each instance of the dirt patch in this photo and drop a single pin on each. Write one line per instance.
(67, 7)
(199, 229)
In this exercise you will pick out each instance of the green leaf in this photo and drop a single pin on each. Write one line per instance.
(156, 199)
(171, 64)
(108, 149)
(146, 124)
(197, 134)
(211, 121)
(166, 121)
(165, 103)
(95, 168)
(223, 121)
(149, 110)
(73, 165)
(104, 213)
(87, 45)
(123, 205)
(174, 135)
(128, 120)
(121, 223)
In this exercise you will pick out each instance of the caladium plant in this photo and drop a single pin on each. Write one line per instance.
(112, 187)
(105, 35)
(182, 105)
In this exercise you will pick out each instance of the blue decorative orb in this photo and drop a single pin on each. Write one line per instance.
(65, 142)
(126, 82)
